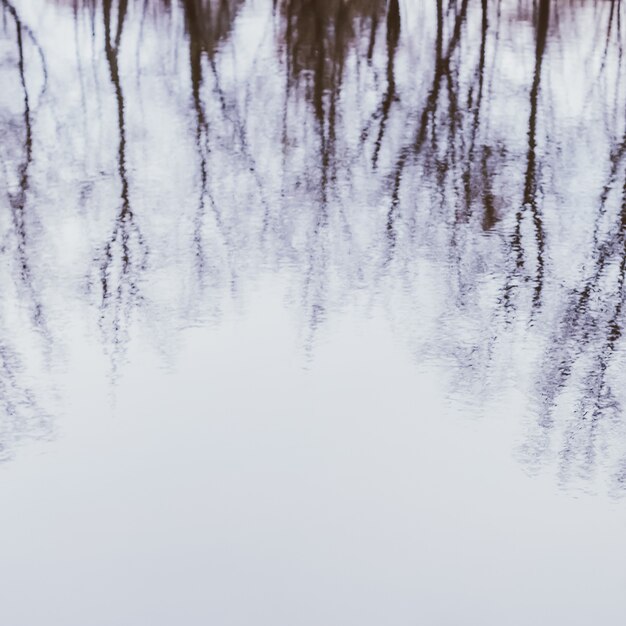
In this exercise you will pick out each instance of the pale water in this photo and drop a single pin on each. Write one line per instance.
(311, 313)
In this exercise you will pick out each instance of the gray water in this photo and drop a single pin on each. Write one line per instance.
(311, 312)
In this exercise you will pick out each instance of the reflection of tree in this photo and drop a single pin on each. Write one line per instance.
(587, 338)
(454, 151)
(578, 365)
(530, 199)
(124, 254)
(482, 154)
(206, 26)
(18, 198)
(446, 144)
(20, 413)
(364, 144)
(393, 38)
(319, 35)
(318, 38)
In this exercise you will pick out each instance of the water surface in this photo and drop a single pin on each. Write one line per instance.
(312, 312)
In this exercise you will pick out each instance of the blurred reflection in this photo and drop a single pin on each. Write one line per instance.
(358, 146)
(18, 405)
(530, 200)
(206, 23)
(123, 255)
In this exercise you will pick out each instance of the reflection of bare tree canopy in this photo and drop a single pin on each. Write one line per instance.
(207, 23)
(18, 197)
(123, 253)
(590, 329)
(17, 401)
(530, 200)
(362, 144)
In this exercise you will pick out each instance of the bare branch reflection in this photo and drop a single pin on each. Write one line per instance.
(460, 164)
(23, 416)
(124, 253)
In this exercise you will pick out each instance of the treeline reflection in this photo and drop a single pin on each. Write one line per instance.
(461, 157)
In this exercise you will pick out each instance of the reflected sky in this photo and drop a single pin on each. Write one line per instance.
(400, 195)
